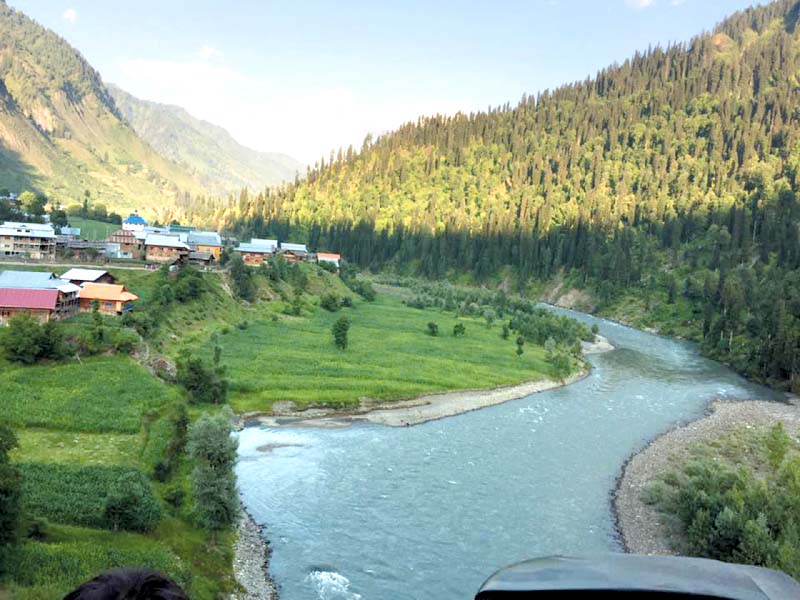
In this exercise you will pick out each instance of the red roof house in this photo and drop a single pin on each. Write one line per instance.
(40, 304)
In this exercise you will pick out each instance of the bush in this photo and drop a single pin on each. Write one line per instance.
(130, 504)
(330, 302)
(77, 495)
(204, 384)
(340, 329)
(433, 329)
(459, 330)
(27, 342)
(347, 302)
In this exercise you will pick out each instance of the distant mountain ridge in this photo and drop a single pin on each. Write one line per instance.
(208, 152)
(63, 132)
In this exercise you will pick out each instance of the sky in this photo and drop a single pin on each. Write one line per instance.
(304, 78)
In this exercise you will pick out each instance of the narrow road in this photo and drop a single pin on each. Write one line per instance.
(71, 265)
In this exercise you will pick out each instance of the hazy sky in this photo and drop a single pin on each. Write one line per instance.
(306, 77)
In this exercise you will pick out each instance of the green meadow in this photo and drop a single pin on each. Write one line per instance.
(93, 230)
(390, 356)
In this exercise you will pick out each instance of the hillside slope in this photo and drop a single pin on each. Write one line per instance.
(208, 152)
(673, 176)
(61, 133)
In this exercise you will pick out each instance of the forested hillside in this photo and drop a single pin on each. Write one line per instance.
(206, 151)
(674, 176)
(61, 133)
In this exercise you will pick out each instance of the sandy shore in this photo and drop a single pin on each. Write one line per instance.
(640, 525)
(422, 409)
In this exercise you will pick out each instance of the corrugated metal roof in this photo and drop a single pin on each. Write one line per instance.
(258, 245)
(36, 230)
(30, 280)
(26, 298)
(204, 238)
(289, 247)
(155, 239)
(83, 274)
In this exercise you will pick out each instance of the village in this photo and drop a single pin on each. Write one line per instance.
(47, 296)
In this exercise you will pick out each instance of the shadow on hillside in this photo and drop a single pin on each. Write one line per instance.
(15, 174)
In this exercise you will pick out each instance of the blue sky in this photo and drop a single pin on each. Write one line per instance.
(306, 77)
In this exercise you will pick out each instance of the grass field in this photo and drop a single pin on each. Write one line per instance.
(390, 356)
(93, 230)
(99, 395)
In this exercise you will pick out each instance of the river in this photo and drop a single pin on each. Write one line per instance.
(429, 512)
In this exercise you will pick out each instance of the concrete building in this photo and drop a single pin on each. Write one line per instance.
(36, 241)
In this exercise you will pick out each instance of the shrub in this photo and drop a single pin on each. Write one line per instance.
(347, 302)
(340, 329)
(204, 384)
(26, 341)
(433, 329)
(130, 504)
(330, 302)
(459, 329)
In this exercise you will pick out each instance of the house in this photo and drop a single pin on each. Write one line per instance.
(326, 257)
(294, 252)
(129, 245)
(28, 240)
(257, 251)
(164, 248)
(111, 299)
(81, 276)
(40, 304)
(64, 305)
(205, 241)
(203, 259)
(134, 222)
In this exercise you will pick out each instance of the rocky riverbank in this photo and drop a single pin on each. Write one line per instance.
(251, 562)
(639, 524)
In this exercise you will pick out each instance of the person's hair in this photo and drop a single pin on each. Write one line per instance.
(129, 584)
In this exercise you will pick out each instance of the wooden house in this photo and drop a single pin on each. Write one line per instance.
(257, 251)
(161, 248)
(81, 276)
(111, 299)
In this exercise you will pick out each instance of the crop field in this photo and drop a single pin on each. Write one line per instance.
(108, 394)
(389, 356)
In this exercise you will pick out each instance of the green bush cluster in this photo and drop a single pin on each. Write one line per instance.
(165, 441)
(27, 341)
(739, 515)
(93, 496)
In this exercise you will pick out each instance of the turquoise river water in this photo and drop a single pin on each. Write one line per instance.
(371, 512)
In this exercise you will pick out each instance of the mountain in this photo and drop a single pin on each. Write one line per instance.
(206, 151)
(61, 133)
(666, 186)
